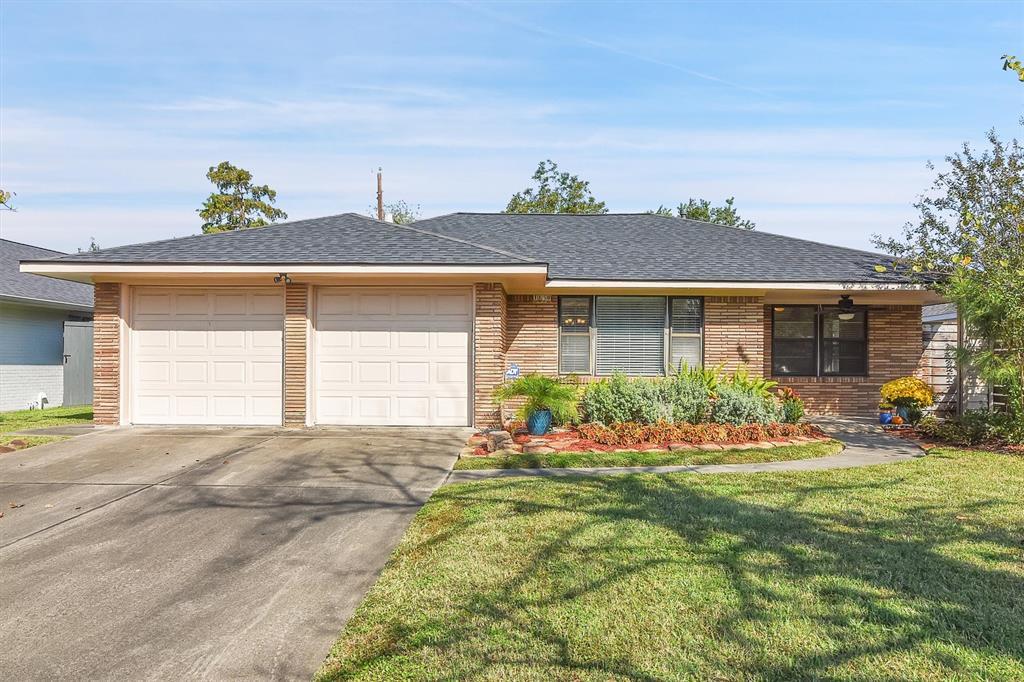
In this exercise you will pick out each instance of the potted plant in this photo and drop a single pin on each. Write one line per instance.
(885, 412)
(544, 400)
(909, 395)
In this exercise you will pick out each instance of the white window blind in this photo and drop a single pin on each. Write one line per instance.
(630, 335)
(687, 317)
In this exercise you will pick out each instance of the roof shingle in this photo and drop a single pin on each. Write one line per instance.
(17, 284)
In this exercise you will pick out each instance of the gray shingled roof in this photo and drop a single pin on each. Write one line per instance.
(341, 240)
(17, 284)
(652, 247)
(624, 247)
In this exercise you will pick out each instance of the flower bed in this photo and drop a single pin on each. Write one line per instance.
(661, 436)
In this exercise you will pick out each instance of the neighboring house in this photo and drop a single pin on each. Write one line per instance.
(957, 388)
(346, 320)
(33, 313)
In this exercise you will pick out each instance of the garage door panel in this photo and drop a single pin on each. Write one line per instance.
(398, 357)
(207, 356)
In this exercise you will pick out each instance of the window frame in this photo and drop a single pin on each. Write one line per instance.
(819, 339)
(591, 331)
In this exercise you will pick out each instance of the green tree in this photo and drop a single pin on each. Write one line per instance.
(401, 213)
(555, 192)
(701, 209)
(968, 244)
(237, 204)
(93, 246)
(1011, 63)
(5, 200)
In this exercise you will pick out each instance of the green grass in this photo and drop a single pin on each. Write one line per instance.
(637, 458)
(37, 419)
(912, 570)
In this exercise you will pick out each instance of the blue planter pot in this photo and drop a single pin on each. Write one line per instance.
(905, 413)
(538, 422)
(885, 417)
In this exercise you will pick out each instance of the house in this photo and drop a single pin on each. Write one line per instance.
(34, 311)
(347, 320)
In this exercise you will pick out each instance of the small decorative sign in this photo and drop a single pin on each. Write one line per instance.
(512, 372)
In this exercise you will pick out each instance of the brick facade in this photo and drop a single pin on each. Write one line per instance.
(733, 333)
(106, 354)
(531, 333)
(894, 350)
(489, 324)
(296, 332)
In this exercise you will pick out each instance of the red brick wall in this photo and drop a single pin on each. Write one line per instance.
(488, 352)
(296, 301)
(894, 350)
(106, 357)
(734, 333)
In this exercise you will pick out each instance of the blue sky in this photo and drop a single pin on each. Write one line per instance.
(818, 116)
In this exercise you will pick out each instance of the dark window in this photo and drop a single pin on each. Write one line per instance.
(844, 343)
(808, 341)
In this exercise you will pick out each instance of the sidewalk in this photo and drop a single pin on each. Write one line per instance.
(866, 445)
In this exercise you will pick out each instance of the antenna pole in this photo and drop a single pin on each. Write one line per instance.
(380, 195)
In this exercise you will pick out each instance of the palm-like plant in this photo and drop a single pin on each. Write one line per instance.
(541, 393)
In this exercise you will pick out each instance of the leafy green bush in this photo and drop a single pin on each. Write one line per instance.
(736, 405)
(680, 398)
(541, 393)
(792, 405)
(742, 380)
(974, 427)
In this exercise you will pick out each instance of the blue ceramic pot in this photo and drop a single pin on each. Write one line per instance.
(903, 412)
(538, 422)
(885, 417)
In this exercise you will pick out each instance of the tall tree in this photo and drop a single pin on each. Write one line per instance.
(93, 246)
(237, 204)
(555, 192)
(401, 213)
(701, 209)
(968, 243)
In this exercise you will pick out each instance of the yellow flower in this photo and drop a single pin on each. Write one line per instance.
(908, 388)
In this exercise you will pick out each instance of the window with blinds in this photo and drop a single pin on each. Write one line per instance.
(686, 318)
(629, 335)
(574, 335)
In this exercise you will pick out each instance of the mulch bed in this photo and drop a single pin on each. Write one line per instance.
(570, 440)
(928, 442)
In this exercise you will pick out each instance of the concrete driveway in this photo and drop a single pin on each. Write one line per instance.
(159, 553)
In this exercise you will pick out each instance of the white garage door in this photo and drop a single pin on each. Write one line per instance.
(393, 356)
(206, 356)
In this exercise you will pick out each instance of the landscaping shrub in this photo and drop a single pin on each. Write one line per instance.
(758, 386)
(540, 393)
(974, 427)
(631, 434)
(792, 405)
(737, 405)
(680, 398)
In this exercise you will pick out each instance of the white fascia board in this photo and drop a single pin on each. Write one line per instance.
(796, 286)
(58, 269)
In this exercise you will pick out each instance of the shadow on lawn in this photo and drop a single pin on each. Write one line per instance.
(882, 571)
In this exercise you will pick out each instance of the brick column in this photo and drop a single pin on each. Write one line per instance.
(296, 317)
(734, 333)
(488, 351)
(106, 354)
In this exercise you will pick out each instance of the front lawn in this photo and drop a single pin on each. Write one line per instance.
(912, 570)
(650, 458)
(37, 419)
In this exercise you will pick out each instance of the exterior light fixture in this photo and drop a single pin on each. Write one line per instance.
(283, 277)
(845, 308)
(779, 308)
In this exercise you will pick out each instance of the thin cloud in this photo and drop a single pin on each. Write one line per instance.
(562, 37)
